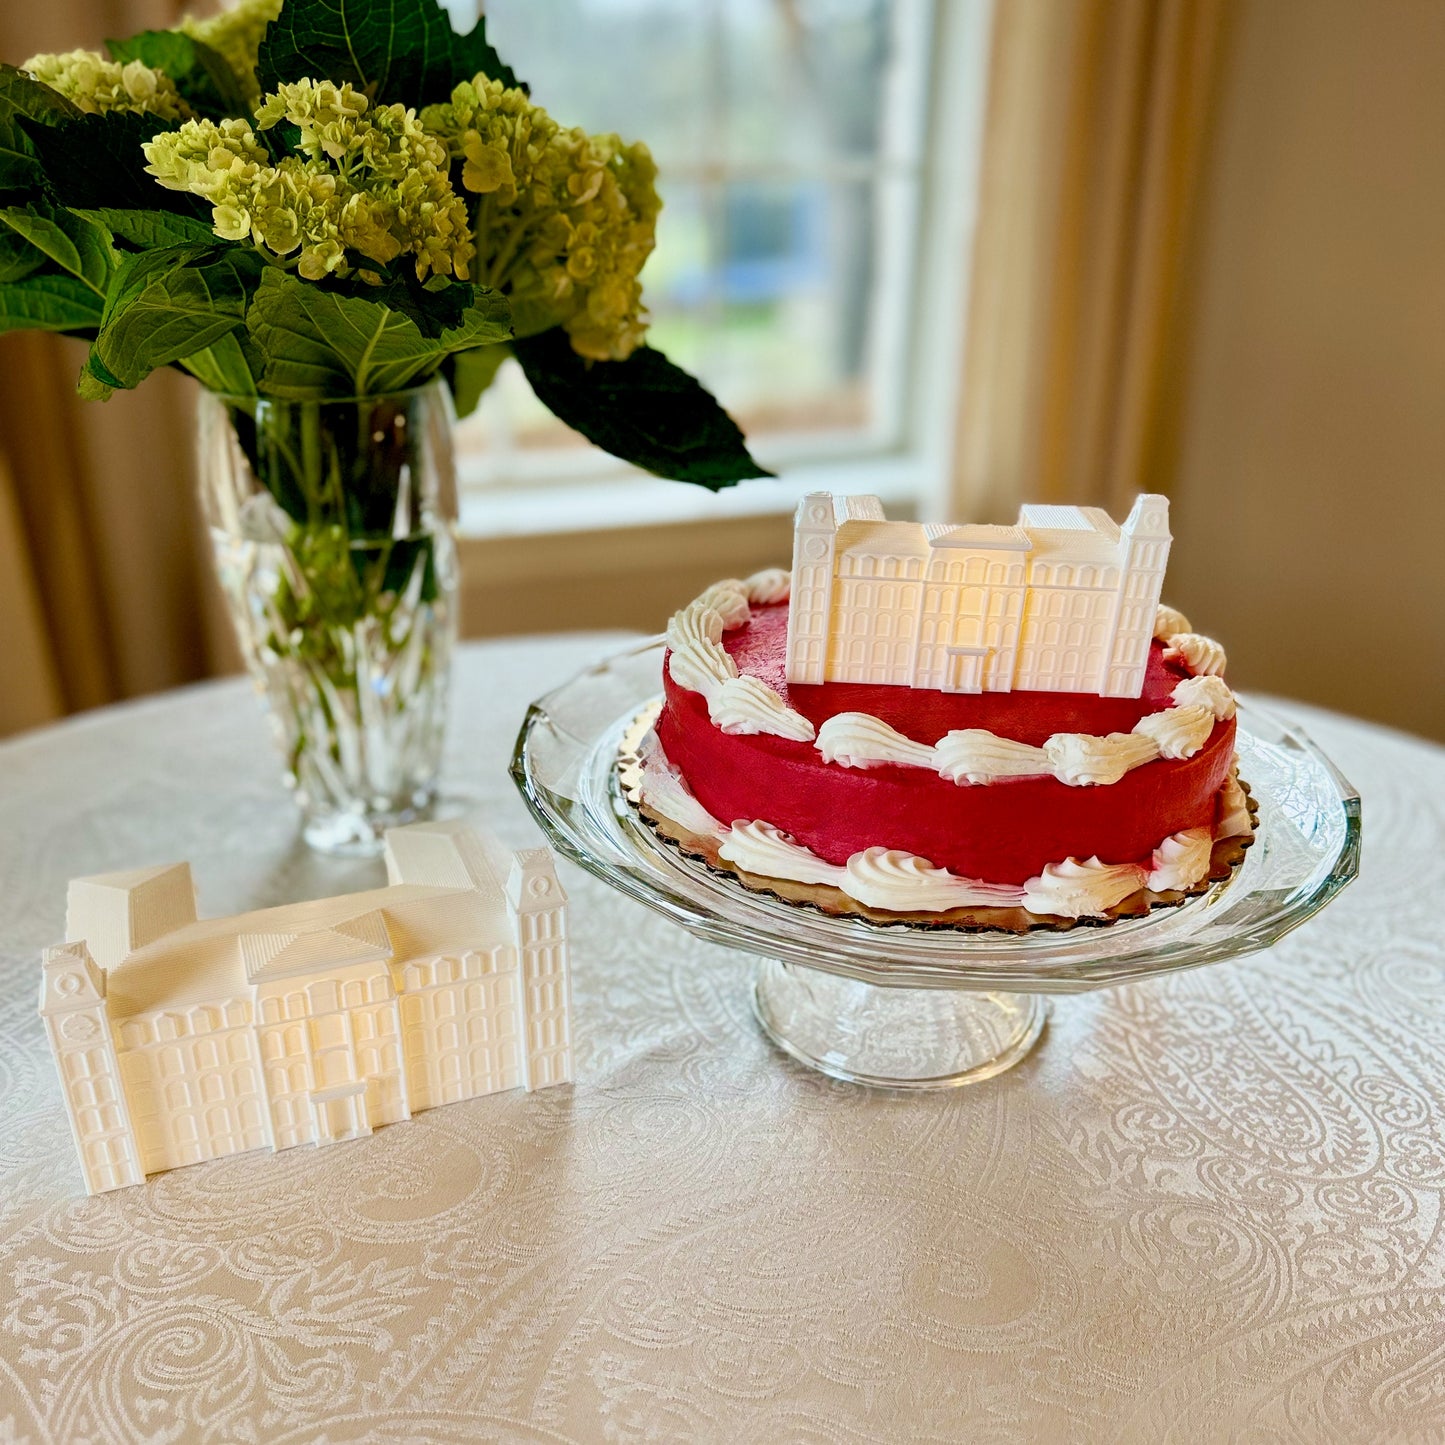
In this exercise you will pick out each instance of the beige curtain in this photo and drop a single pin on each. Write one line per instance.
(104, 591)
(1099, 113)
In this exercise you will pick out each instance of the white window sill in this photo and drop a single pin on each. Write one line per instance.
(631, 499)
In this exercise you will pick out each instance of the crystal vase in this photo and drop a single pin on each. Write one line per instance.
(332, 525)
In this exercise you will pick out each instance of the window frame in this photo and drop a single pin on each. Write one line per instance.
(905, 455)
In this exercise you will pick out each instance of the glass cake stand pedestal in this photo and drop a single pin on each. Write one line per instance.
(909, 1006)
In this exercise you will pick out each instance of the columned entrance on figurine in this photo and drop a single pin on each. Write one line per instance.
(965, 669)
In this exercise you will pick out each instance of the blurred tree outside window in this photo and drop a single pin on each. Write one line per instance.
(791, 138)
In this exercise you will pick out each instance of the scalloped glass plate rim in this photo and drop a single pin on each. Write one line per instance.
(1306, 850)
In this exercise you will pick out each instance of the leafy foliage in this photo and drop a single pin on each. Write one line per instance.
(18, 258)
(147, 230)
(318, 342)
(470, 373)
(645, 410)
(229, 366)
(22, 98)
(62, 264)
(95, 162)
(72, 242)
(287, 252)
(173, 303)
(472, 54)
(397, 51)
(48, 303)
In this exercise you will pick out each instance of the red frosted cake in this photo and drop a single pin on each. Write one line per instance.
(979, 724)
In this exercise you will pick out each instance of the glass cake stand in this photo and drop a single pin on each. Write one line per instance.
(906, 1006)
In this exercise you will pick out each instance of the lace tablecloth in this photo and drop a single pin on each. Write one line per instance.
(1207, 1207)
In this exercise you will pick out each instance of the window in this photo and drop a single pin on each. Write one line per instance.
(818, 167)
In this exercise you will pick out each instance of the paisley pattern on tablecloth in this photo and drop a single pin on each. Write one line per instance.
(1206, 1207)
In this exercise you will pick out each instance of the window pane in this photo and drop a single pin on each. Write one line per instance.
(769, 120)
(802, 79)
(637, 67)
(775, 316)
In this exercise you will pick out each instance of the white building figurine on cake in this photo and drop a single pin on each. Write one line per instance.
(1064, 601)
(180, 1039)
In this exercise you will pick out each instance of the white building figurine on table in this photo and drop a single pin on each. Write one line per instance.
(1062, 602)
(180, 1039)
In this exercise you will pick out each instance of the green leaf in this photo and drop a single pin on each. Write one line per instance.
(146, 230)
(434, 309)
(42, 244)
(470, 373)
(78, 245)
(645, 410)
(99, 372)
(395, 50)
(96, 383)
(49, 303)
(95, 162)
(23, 96)
(179, 310)
(201, 74)
(319, 342)
(138, 269)
(91, 388)
(19, 165)
(228, 366)
(18, 258)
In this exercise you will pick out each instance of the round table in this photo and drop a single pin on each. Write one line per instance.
(1204, 1206)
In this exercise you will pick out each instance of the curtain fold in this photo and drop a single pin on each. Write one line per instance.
(105, 591)
(31, 692)
(1098, 121)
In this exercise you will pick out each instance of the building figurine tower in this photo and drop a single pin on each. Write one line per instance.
(1062, 601)
(539, 917)
(1145, 540)
(810, 601)
(180, 1039)
(72, 1003)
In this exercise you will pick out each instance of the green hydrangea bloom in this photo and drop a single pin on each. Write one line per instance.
(97, 85)
(236, 34)
(369, 182)
(565, 221)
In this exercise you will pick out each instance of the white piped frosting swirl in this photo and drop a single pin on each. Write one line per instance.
(1178, 732)
(975, 755)
(665, 790)
(758, 847)
(1085, 759)
(904, 883)
(1203, 656)
(1168, 621)
(700, 663)
(1181, 860)
(860, 740)
(1233, 820)
(772, 584)
(729, 599)
(1087, 889)
(1210, 692)
(745, 705)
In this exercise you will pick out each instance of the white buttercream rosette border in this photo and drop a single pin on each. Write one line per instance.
(973, 756)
